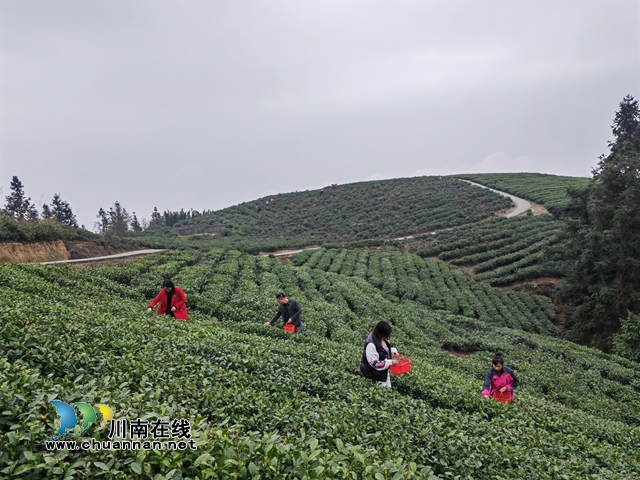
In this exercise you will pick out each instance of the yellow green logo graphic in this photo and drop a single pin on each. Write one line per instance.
(69, 419)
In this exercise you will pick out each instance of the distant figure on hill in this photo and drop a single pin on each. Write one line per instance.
(499, 381)
(378, 354)
(172, 301)
(289, 310)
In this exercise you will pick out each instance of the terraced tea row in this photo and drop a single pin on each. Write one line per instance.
(501, 251)
(266, 403)
(433, 283)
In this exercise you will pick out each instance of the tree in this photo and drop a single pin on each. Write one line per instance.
(102, 225)
(46, 213)
(135, 224)
(118, 220)
(61, 211)
(627, 342)
(156, 219)
(17, 204)
(603, 239)
(115, 221)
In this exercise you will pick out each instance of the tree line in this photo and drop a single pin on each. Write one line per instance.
(116, 221)
(602, 289)
(20, 207)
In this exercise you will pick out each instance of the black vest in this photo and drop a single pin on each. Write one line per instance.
(367, 370)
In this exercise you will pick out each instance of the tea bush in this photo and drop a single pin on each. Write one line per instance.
(264, 403)
(402, 277)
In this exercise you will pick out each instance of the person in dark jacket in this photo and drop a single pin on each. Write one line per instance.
(172, 301)
(289, 310)
(499, 381)
(377, 355)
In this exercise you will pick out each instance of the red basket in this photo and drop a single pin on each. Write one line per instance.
(402, 367)
(290, 327)
(503, 397)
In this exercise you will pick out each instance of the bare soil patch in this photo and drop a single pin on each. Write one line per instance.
(13, 252)
(460, 352)
(467, 270)
(537, 208)
(546, 286)
(98, 248)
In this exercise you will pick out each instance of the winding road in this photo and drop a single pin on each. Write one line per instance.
(521, 206)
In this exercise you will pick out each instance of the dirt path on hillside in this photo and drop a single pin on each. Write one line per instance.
(108, 257)
(286, 253)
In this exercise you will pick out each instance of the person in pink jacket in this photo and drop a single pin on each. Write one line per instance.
(499, 381)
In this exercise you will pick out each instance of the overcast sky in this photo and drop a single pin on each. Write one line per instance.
(205, 104)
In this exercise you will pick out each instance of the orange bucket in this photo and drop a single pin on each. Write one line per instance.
(402, 367)
(290, 327)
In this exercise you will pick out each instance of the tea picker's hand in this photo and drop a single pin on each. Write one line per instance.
(267, 323)
(394, 362)
(173, 309)
(502, 390)
(149, 309)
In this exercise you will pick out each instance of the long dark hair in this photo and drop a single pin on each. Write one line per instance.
(497, 359)
(382, 330)
(169, 283)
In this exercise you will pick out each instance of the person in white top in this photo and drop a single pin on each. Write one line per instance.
(377, 355)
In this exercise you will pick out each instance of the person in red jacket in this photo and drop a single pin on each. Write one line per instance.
(172, 301)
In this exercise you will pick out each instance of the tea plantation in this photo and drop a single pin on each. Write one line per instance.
(501, 251)
(264, 403)
(402, 277)
(381, 209)
(549, 190)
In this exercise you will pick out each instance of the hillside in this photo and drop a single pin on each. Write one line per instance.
(359, 211)
(499, 251)
(267, 404)
(445, 219)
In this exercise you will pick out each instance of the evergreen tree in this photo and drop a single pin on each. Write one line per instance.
(46, 212)
(135, 224)
(102, 225)
(17, 204)
(118, 220)
(61, 212)
(603, 282)
(156, 219)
